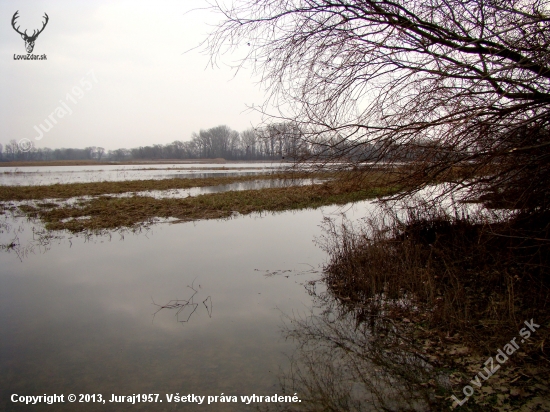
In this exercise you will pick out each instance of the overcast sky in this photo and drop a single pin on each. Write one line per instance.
(148, 90)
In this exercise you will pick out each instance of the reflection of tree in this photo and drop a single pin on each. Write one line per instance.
(185, 308)
(344, 363)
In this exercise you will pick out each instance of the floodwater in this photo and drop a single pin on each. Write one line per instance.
(229, 307)
(79, 314)
(174, 193)
(46, 175)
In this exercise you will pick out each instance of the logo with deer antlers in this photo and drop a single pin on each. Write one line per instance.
(29, 40)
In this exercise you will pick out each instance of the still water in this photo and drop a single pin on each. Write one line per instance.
(77, 314)
(46, 175)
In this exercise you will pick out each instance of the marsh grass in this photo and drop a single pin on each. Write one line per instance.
(107, 212)
(68, 190)
(465, 285)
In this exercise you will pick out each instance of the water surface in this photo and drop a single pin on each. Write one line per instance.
(46, 175)
(76, 312)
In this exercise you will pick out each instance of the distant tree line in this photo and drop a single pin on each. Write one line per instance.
(283, 141)
(12, 151)
(272, 142)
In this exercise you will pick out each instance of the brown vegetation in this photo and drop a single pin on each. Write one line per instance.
(68, 190)
(435, 85)
(107, 212)
(466, 283)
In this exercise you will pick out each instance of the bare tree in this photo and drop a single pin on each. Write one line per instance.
(99, 152)
(249, 140)
(439, 84)
(12, 150)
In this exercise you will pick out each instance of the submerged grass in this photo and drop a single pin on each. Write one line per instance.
(106, 212)
(68, 190)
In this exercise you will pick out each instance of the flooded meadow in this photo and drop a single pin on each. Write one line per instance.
(46, 175)
(169, 308)
(229, 288)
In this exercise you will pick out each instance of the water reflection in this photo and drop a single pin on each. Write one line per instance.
(23, 236)
(231, 187)
(10, 208)
(185, 308)
(45, 175)
(351, 360)
(78, 319)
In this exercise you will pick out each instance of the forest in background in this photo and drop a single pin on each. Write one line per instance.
(270, 143)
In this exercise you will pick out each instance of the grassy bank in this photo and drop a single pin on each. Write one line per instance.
(452, 292)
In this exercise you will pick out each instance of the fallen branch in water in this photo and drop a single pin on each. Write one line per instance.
(182, 304)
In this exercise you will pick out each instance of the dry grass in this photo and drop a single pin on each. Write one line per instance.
(68, 190)
(107, 212)
(469, 274)
(466, 287)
